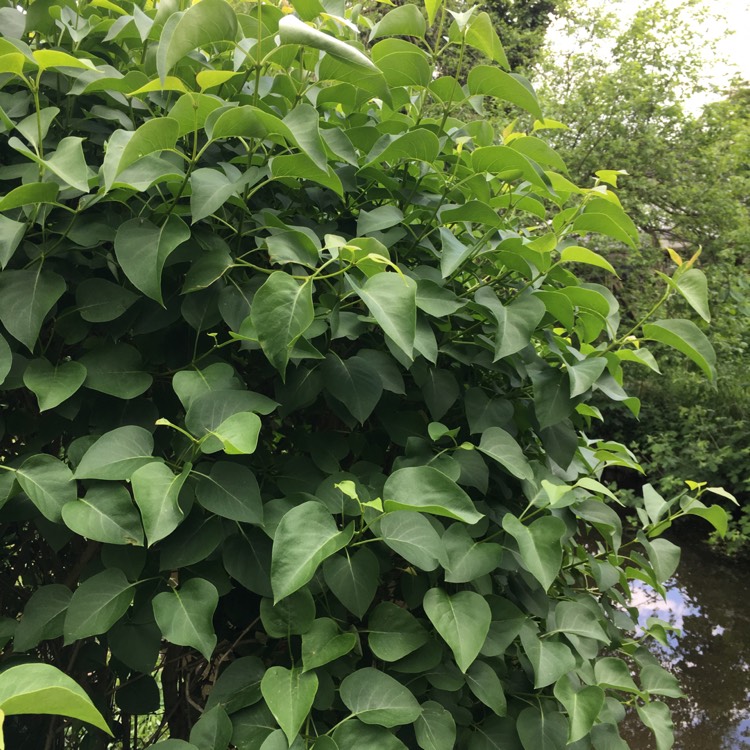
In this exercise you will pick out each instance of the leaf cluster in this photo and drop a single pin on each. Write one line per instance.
(296, 379)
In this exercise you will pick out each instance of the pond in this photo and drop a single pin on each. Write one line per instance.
(709, 600)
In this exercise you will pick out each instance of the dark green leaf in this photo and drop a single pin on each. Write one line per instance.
(156, 491)
(324, 643)
(117, 454)
(353, 579)
(289, 693)
(105, 514)
(376, 698)
(49, 484)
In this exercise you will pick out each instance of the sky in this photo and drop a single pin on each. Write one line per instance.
(734, 48)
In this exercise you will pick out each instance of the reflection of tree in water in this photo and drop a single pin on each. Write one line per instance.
(710, 601)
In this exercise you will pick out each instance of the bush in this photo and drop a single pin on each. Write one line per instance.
(296, 377)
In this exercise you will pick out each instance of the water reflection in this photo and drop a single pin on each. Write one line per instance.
(709, 600)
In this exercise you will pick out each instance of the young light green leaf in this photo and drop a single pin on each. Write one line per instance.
(142, 249)
(575, 254)
(306, 535)
(424, 489)
(117, 454)
(463, 621)
(392, 300)
(282, 311)
(106, 514)
(185, 615)
(32, 192)
(25, 299)
(156, 492)
(53, 384)
(97, 604)
(44, 689)
(376, 698)
(539, 545)
(289, 694)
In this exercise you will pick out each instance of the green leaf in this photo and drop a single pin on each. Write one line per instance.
(584, 374)
(413, 537)
(481, 35)
(142, 249)
(156, 491)
(282, 311)
(49, 484)
(376, 698)
(53, 384)
(485, 80)
(552, 400)
(306, 535)
(655, 680)
(485, 684)
(293, 615)
(424, 489)
(106, 514)
(393, 632)
(432, 7)
(463, 621)
(115, 369)
(541, 731)
(201, 25)
(239, 433)
(354, 382)
(213, 731)
(42, 616)
(435, 728)
(97, 604)
(583, 706)
(11, 234)
(324, 643)
(402, 63)
(658, 718)
(353, 579)
(503, 448)
(302, 167)
(539, 545)
(415, 145)
(289, 694)
(126, 147)
(664, 557)
(238, 685)
(575, 254)
(117, 454)
(614, 673)
(185, 615)
(25, 299)
(100, 301)
(687, 338)
(33, 192)
(392, 300)
(6, 359)
(210, 189)
(549, 659)
(575, 618)
(354, 735)
(405, 20)
(294, 31)
(515, 323)
(466, 559)
(50, 58)
(231, 491)
(692, 285)
(44, 689)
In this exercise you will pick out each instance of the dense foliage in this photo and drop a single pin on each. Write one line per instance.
(627, 90)
(296, 384)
